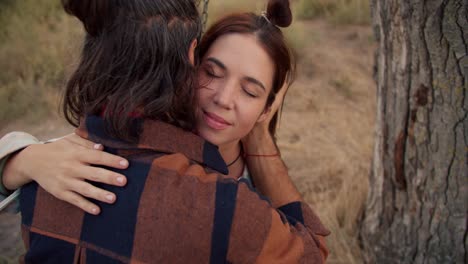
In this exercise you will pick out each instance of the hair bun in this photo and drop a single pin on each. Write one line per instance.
(279, 13)
(94, 14)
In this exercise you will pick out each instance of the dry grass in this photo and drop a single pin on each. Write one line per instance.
(327, 132)
(342, 12)
(326, 135)
(36, 44)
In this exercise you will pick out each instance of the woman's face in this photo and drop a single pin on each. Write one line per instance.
(236, 76)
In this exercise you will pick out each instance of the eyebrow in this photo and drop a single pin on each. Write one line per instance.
(255, 81)
(217, 62)
(249, 79)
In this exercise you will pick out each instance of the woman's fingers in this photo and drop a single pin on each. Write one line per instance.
(80, 202)
(88, 190)
(101, 158)
(75, 139)
(275, 107)
(279, 99)
(101, 175)
(91, 153)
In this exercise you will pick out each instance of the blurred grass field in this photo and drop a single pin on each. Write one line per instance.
(326, 134)
(38, 43)
(339, 12)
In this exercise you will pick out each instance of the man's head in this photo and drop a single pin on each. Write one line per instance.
(135, 60)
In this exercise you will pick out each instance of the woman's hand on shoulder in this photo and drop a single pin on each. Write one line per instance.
(63, 168)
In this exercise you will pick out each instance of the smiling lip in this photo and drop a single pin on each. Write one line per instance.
(215, 121)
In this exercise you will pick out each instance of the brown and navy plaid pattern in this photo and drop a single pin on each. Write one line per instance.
(174, 209)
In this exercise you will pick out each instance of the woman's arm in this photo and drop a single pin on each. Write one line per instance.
(264, 161)
(62, 168)
(272, 179)
(268, 171)
(9, 144)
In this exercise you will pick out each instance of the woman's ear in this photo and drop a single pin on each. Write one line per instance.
(193, 46)
(264, 115)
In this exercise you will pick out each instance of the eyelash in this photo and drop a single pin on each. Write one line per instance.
(212, 75)
(249, 94)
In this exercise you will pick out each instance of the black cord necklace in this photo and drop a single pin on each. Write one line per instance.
(240, 153)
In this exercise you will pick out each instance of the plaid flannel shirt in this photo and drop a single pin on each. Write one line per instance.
(174, 209)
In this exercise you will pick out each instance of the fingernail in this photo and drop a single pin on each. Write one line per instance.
(123, 163)
(94, 210)
(110, 197)
(120, 179)
(97, 146)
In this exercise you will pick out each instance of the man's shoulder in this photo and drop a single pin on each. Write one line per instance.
(180, 165)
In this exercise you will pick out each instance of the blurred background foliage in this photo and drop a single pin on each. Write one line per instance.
(37, 45)
(336, 11)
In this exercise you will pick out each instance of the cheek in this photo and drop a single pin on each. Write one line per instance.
(249, 114)
(207, 92)
(204, 93)
(203, 80)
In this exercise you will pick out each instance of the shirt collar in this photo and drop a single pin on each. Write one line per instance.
(158, 136)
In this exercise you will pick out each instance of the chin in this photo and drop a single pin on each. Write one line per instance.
(210, 137)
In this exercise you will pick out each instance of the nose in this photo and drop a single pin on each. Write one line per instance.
(224, 96)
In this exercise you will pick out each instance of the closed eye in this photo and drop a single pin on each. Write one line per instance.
(249, 93)
(211, 73)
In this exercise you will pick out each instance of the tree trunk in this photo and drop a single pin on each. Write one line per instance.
(416, 210)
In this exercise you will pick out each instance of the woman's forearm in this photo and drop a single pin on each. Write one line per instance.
(268, 170)
(13, 176)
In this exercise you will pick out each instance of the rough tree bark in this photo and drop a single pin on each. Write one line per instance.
(417, 205)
